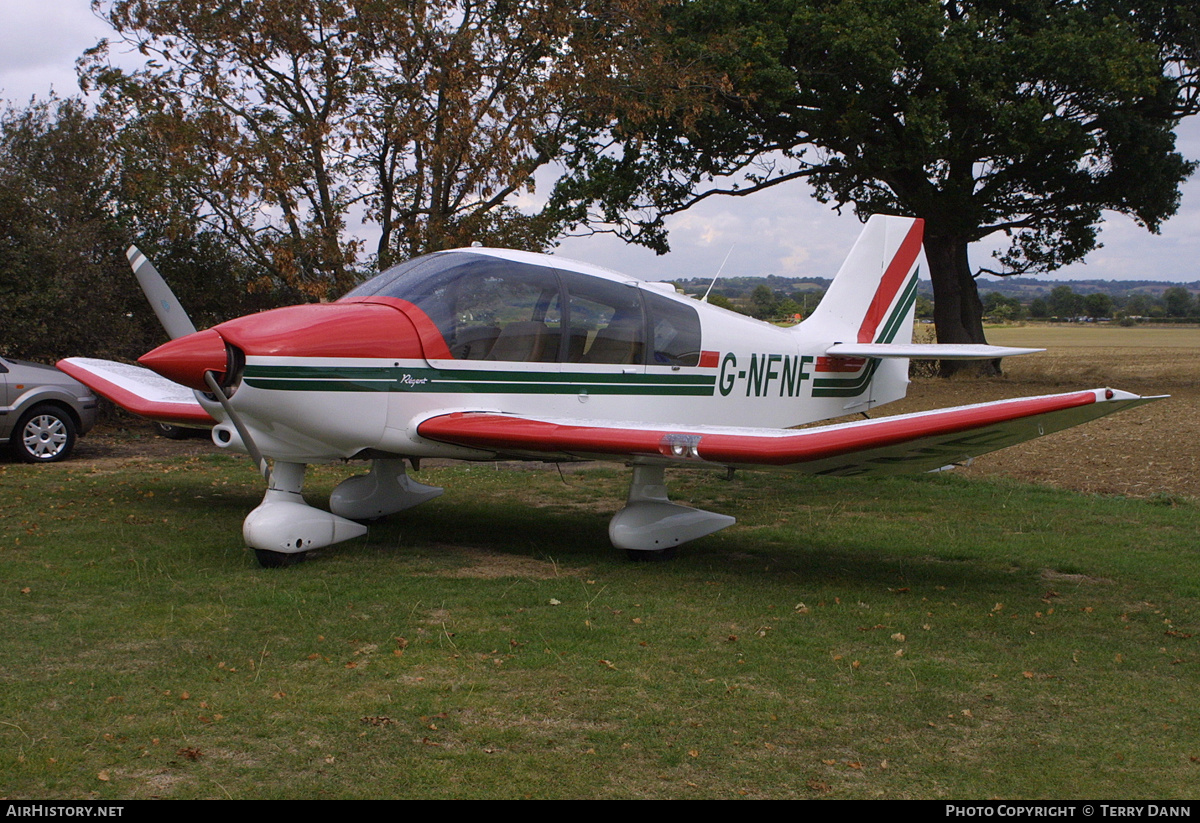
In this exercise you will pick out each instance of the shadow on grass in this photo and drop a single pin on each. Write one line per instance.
(577, 538)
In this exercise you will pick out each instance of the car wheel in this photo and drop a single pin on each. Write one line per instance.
(46, 434)
(171, 432)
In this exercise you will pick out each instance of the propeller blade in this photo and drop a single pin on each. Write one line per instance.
(172, 316)
(264, 468)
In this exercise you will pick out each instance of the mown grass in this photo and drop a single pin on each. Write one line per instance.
(933, 637)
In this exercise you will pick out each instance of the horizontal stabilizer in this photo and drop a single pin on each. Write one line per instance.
(138, 390)
(904, 444)
(926, 351)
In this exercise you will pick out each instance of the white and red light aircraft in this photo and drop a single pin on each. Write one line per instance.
(486, 354)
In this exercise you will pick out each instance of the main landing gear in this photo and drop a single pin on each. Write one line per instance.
(651, 526)
(283, 527)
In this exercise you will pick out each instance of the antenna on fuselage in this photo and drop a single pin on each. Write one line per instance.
(704, 299)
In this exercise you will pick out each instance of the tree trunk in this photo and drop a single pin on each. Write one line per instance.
(957, 309)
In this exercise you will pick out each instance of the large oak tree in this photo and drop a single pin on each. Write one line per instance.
(1025, 117)
(289, 120)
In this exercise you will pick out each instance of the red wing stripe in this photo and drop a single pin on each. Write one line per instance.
(892, 281)
(497, 432)
(843, 440)
(155, 410)
(503, 433)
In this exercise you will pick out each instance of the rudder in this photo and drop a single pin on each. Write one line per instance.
(872, 298)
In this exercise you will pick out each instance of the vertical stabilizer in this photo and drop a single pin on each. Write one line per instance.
(871, 300)
(876, 288)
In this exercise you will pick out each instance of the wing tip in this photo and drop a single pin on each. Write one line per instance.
(1110, 395)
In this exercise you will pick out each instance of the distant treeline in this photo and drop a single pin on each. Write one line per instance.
(1028, 288)
(781, 298)
(767, 298)
(1159, 302)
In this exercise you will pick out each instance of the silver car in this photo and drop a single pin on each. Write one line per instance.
(42, 411)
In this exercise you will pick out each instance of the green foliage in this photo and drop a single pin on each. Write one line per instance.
(61, 237)
(722, 301)
(1098, 300)
(1098, 305)
(1137, 304)
(1178, 302)
(764, 302)
(924, 307)
(1024, 117)
(1002, 309)
(75, 191)
(788, 308)
(764, 299)
(1064, 302)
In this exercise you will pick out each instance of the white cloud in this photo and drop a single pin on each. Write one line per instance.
(39, 43)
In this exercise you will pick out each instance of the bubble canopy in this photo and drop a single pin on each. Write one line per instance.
(514, 306)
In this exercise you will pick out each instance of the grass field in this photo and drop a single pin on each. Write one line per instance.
(954, 636)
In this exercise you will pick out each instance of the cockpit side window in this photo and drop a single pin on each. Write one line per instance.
(606, 321)
(489, 308)
(675, 328)
(509, 314)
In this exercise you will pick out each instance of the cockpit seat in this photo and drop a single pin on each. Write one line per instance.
(524, 340)
(618, 342)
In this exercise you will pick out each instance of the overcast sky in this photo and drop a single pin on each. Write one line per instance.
(783, 231)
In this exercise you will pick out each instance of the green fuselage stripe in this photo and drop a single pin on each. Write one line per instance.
(834, 387)
(400, 379)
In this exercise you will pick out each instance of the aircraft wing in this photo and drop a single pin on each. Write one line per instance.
(909, 443)
(138, 390)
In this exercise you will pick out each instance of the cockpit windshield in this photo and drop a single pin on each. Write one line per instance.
(493, 308)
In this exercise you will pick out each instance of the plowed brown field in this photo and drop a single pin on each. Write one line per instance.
(1150, 450)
